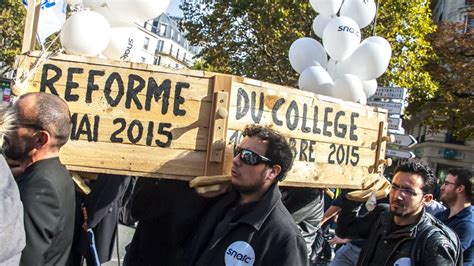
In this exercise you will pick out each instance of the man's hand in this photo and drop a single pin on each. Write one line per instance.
(337, 240)
(212, 191)
(381, 187)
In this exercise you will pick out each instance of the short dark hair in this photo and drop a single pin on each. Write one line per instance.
(421, 169)
(463, 177)
(52, 114)
(278, 148)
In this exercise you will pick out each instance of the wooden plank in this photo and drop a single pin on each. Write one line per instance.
(31, 25)
(217, 159)
(125, 157)
(146, 120)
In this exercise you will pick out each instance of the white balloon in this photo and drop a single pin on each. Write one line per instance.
(341, 37)
(85, 33)
(319, 24)
(125, 43)
(362, 11)
(306, 52)
(74, 2)
(369, 86)
(382, 41)
(128, 12)
(369, 61)
(348, 88)
(326, 7)
(313, 78)
(332, 68)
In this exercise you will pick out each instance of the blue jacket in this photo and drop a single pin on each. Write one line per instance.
(463, 224)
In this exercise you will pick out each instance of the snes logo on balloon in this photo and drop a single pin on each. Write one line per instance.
(348, 29)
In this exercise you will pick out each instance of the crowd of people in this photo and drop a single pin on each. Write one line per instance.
(45, 220)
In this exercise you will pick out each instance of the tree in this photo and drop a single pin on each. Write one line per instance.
(252, 38)
(12, 21)
(452, 106)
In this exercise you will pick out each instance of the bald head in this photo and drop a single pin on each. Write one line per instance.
(47, 111)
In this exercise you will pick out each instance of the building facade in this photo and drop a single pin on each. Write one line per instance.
(165, 45)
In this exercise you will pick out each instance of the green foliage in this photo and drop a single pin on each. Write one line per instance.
(249, 38)
(12, 19)
(252, 38)
(405, 24)
(452, 106)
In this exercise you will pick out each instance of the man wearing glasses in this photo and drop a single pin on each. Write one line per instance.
(393, 235)
(456, 193)
(40, 125)
(249, 225)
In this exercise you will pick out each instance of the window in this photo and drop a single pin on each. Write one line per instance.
(146, 43)
(177, 54)
(179, 37)
(171, 49)
(143, 59)
(162, 31)
(159, 47)
(157, 60)
(154, 26)
(184, 57)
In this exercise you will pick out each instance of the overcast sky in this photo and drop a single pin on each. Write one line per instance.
(173, 9)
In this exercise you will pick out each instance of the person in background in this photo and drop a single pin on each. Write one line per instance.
(12, 231)
(167, 212)
(456, 193)
(306, 206)
(393, 235)
(102, 206)
(42, 125)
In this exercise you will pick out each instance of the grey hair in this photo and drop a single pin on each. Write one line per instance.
(7, 121)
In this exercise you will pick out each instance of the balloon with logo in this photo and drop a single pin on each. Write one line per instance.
(125, 43)
(341, 37)
(326, 7)
(306, 52)
(85, 33)
(349, 88)
(319, 24)
(315, 79)
(369, 61)
(362, 11)
(128, 12)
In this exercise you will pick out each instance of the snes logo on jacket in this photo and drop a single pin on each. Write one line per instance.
(239, 253)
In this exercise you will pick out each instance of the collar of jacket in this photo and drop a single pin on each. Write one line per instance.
(409, 231)
(262, 209)
(35, 165)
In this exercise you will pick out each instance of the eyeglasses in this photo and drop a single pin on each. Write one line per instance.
(250, 157)
(405, 191)
(447, 183)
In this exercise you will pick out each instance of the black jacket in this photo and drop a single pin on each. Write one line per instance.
(260, 233)
(388, 243)
(102, 205)
(47, 193)
(167, 212)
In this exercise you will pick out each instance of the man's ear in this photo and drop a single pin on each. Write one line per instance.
(427, 198)
(461, 189)
(274, 171)
(42, 138)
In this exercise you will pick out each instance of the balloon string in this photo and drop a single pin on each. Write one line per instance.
(43, 56)
(374, 24)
